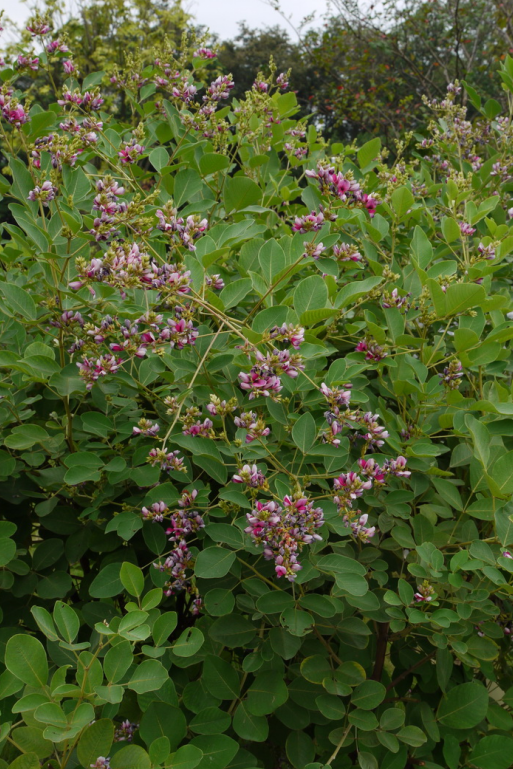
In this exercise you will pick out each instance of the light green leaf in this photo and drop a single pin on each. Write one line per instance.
(25, 658)
(304, 432)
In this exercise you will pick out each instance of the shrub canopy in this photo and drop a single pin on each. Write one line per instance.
(256, 427)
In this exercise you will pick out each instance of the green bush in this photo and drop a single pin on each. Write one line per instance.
(257, 433)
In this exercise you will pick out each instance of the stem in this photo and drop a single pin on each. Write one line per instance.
(381, 650)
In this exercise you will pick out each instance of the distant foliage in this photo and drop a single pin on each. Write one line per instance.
(256, 422)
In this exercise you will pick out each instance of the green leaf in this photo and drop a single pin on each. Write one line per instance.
(117, 661)
(149, 676)
(163, 720)
(354, 290)
(216, 469)
(186, 757)
(132, 579)
(232, 631)
(95, 741)
(66, 620)
(421, 247)
(493, 752)
(234, 292)
(368, 152)
(19, 300)
(220, 678)
(26, 761)
(25, 436)
(248, 726)
(164, 626)
(94, 78)
(210, 721)
(131, 757)
(272, 260)
(450, 229)
(25, 658)
(159, 158)
(212, 162)
(7, 551)
(188, 183)
(297, 622)
(214, 562)
(464, 706)
(107, 583)
(462, 296)
(189, 642)
(412, 735)
(219, 602)
(267, 692)
(304, 432)
(481, 439)
(500, 475)
(159, 750)
(402, 200)
(300, 749)
(240, 192)
(368, 695)
(30, 740)
(218, 750)
(45, 622)
(310, 294)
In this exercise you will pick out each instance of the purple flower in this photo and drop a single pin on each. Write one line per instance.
(125, 732)
(310, 223)
(45, 193)
(168, 461)
(204, 53)
(373, 351)
(251, 476)
(147, 428)
(284, 531)
(91, 370)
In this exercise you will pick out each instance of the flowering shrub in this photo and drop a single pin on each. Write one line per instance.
(256, 426)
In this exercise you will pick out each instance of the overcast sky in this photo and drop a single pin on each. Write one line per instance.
(221, 16)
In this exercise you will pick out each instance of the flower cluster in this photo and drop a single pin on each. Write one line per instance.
(451, 376)
(345, 187)
(182, 523)
(351, 486)
(294, 335)
(309, 222)
(254, 425)
(12, 110)
(373, 351)
(252, 477)
(168, 461)
(131, 151)
(346, 252)
(45, 193)
(101, 763)
(125, 732)
(284, 531)
(425, 593)
(264, 376)
(91, 370)
(125, 266)
(147, 428)
(218, 407)
(184, 231)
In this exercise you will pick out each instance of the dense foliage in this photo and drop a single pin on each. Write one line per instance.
(256, 424)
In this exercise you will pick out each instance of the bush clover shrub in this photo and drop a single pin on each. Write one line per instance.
(256, 423)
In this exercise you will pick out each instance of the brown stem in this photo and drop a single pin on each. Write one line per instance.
(410, 670)
(381, 650)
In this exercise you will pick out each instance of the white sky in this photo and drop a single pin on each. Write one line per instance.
(221, 16)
